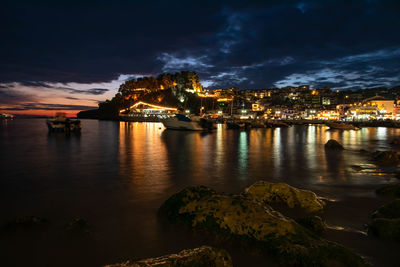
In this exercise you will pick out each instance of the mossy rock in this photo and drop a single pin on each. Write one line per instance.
(385, 157)
(334, 145)
(385, 228)
(389, 191)
(313, 223)
(78, 226)
(238, 217)
(279, 193)
(25, 223)
(202, 256)
(388, 211)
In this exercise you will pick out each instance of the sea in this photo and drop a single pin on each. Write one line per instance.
(115, 176)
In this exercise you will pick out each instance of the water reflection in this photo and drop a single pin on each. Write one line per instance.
(242, 154)
(143, 158)
(117, 174)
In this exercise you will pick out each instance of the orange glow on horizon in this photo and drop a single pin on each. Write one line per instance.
(41, 112)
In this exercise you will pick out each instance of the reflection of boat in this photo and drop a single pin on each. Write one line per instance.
(341, 126)
(182, 122)
(60, 123)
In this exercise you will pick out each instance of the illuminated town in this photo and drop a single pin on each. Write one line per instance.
(288, 103)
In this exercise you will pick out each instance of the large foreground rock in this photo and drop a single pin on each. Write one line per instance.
(203, 256)
(257, 224)
(334, 145)
(386, 221)
(389, 211)
(385, 228)
(271, 193)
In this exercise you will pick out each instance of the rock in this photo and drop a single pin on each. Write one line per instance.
(27, 222)
(202, 256)
(397, 175)
(386, 221)
(395, 142)
(283, 193)
(334, 145)
(389, 191)
(313, 223)
(388, 211)
(385, 228)
(238, 217)
(78, 226)
(385, 157)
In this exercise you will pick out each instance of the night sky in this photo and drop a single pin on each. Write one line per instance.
(70, 55)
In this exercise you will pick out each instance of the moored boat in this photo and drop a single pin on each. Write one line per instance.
(182, 122)
(341, 126)
(60, 123)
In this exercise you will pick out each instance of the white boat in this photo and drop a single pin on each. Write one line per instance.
(341, 126)
(60, 123)
(182, 122)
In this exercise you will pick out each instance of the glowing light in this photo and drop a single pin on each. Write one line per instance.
(151, 105)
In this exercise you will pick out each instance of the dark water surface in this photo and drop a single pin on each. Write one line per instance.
(116, 175)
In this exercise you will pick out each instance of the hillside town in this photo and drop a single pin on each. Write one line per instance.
(182, 92)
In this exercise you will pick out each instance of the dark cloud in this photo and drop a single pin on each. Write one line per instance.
(42, 106)
(247, 44)
(11, 97)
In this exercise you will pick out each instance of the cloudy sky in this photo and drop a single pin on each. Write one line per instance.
(69, 55)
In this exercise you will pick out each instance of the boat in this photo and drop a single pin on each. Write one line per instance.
(341, 126)
(6, 116)
(60, 123)
(235, 125)
(182, 122)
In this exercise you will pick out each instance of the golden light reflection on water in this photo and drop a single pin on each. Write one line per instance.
(143, 156)
(155, 158)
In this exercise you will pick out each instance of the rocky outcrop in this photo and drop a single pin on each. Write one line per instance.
(313, 223)
(386, 221)
(271, 193)
(385, 228)
(388, 211)
(392, 191)
(385, 157)
(253, 222)
(202, 256)
(333, 145)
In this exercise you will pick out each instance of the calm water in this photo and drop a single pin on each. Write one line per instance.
(116, 175)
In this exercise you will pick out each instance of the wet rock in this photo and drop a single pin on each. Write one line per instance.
(78, 226)
(334, 145)
(314, 224)
(238, 217)
(385, 157)
(395, 142)
(392, 191)
(385, 228)
(27, 222)
(388, 211)
(202, 256)
(283, 193)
